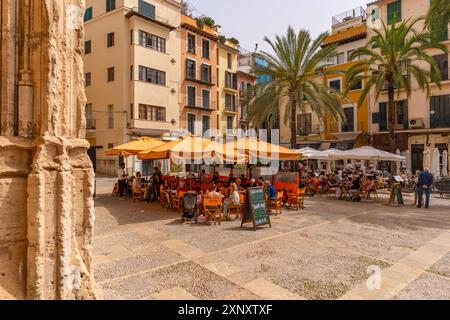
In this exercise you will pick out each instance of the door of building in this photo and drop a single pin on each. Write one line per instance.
(417, 157)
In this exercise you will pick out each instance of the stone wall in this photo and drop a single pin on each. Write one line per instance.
(46, 177)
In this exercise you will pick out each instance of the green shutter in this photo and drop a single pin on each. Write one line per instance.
(88, 14)
(394, 11)
(438, 35)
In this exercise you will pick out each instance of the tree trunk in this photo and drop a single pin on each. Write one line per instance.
(293, 101)
(391, 122)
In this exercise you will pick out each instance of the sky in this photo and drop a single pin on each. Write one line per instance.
(250, 20)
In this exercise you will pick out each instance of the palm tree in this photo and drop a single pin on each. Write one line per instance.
(294, 69)
(387, 64)
(439, 14)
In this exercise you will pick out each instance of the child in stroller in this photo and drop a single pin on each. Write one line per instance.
(189, 206)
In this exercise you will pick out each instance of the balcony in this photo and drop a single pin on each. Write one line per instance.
(349, 15)
(306, 131)
(91, 124)
(139, 12)
(205, 80)
(231, 109)
(435, 123)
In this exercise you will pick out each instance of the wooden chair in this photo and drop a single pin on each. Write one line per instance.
(176, 200)
(213, 210)
(237, 209)
(137, 194)
(273, 204)
(297, 200)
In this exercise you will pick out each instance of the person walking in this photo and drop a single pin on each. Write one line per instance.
(121, 176)
(416, 187)
(157, 180)
(425, 182)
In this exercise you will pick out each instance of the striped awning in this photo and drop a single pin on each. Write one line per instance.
(346, 36)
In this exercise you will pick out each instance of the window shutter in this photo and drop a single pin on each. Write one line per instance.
(383, 116)
(405, 114)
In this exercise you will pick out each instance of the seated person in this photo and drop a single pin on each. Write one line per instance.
(355, 187)
(234, 199)
(204, 176)
(367, 185)
(271, 191)
(216, 177)
(314, 182)
(213, 194)
(239, 183)
(182, 187)
(137, 183)
(252, 183)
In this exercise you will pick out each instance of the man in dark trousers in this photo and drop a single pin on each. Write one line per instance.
(425, 183)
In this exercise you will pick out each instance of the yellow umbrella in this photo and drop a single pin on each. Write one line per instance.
(189, 148)
(255, 148)
(220, 153)
(134, 147)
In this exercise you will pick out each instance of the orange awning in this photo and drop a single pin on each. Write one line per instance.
(346, 35)
(134, 147)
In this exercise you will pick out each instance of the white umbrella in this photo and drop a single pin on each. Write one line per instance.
(366, 153)
(331, 151)
(445, 163)
(435, 163)
(427, 159)
(313, 154)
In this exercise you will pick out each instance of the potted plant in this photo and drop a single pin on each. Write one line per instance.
(200, 23)
(233, 40)
(222, 39)
(209, 21)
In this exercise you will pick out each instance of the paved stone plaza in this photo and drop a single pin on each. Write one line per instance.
(144, 252)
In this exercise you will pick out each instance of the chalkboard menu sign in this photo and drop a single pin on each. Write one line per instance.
(256, 210)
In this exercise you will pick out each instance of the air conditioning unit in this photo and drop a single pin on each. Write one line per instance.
(416, 124)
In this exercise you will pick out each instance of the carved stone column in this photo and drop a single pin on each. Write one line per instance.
(46, 177)
(60, 186)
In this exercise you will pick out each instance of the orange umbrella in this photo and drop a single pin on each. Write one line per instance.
(191, 148)
(134, 147)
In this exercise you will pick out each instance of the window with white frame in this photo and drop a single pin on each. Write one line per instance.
(335, 84)
(191, 45)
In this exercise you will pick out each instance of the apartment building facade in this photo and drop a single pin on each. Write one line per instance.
(227, 79)
(199, 89)
(245, 82)
(132, 73)
(422, 123)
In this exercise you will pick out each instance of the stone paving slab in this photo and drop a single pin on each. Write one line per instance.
(269, 291)
(176, 293)
(426, 287)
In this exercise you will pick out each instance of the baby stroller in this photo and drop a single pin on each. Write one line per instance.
(189, 206)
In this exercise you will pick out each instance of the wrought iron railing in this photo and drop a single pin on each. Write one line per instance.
(349, 15)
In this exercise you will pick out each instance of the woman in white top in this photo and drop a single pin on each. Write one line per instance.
(232, 200)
